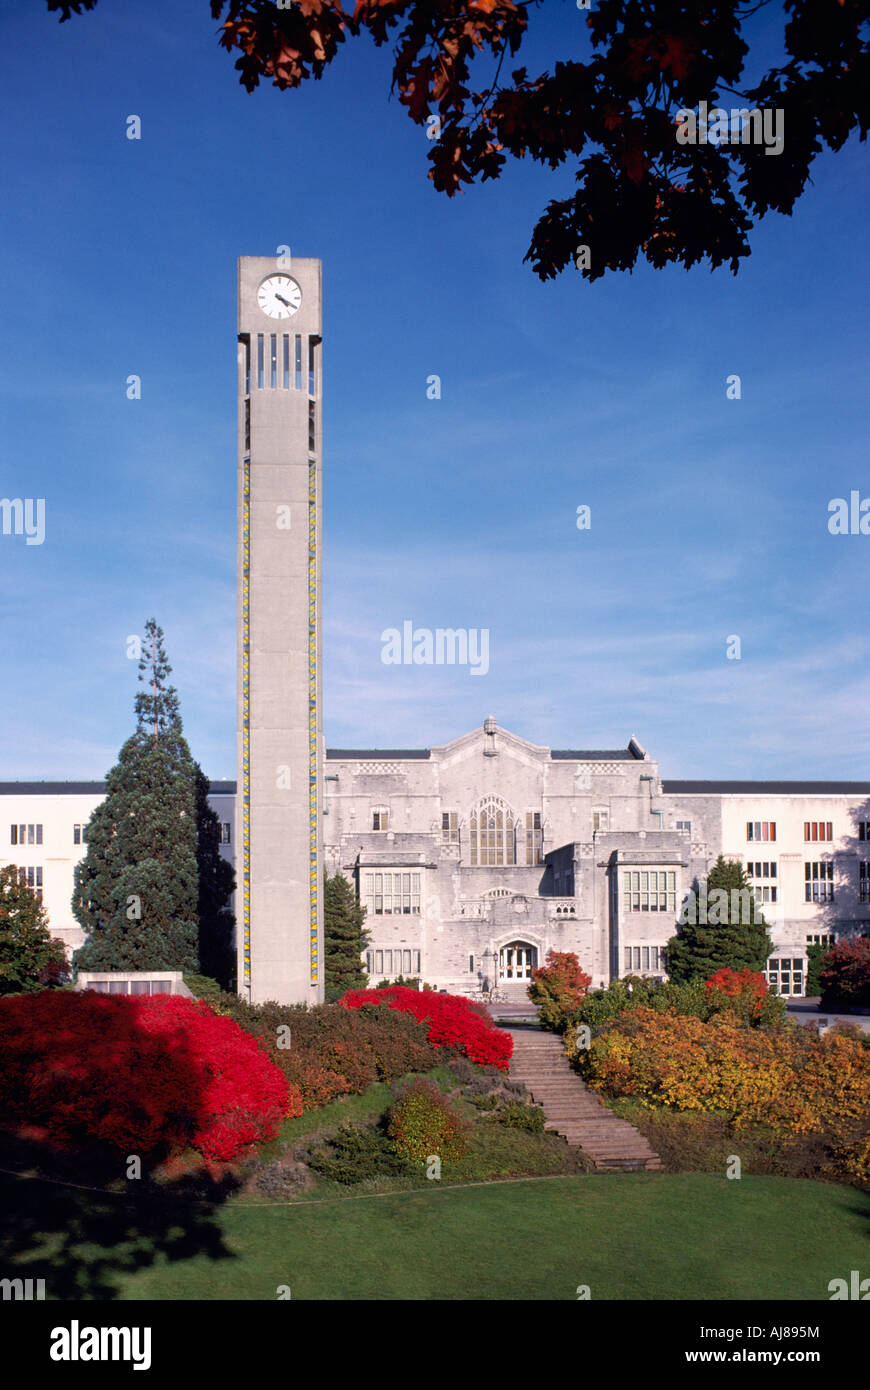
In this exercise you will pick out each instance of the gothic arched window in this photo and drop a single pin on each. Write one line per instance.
(491, 833)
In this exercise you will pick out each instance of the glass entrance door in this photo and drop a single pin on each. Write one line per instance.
(517, 961)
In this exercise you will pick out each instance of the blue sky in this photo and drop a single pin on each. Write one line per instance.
(709, 516)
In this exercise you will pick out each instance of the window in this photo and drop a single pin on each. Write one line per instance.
(534, 838)
(31, 876)
(819, 882)
(286, 361)
(765, 894)
(380, 819)
(297, 363)
(471, 965)
(391, 894)
(273, 360)
(449, 828)
(386, 964)
(761, 830)
(864, 830)
(311, 366)
(761, 869)
(650, 890)
(600, 819)
(491, 833)
(642, 959)
(821, 939)
(786, 975)
(311, 426)
(818, 830)
(26, 834)
(261, 374)
(685, 825)
(864, 881)
(225, 832)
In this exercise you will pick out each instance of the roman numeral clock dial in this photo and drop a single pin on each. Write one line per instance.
(279, 297)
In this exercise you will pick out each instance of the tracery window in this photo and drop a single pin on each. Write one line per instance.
(492, 828)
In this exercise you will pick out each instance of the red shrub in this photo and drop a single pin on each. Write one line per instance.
(452, 1021)
(845, 974)
(746, 986)
(558, 989)
(149, 1076)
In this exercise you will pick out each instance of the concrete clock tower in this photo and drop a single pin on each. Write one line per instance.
(278, 854)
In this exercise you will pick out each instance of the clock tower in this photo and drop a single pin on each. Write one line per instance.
(278, 858)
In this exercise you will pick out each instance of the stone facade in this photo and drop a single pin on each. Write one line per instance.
(571, 865)
(476, 858)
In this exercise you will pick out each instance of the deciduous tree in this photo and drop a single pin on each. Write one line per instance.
(609, 115)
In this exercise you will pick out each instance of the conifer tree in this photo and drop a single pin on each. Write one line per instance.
(344, 938)
(137, 889)
(734, 933)
(29, 956)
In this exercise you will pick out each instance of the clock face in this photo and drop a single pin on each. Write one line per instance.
(279, 297)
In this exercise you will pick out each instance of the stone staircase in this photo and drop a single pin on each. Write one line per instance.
(540, 1062)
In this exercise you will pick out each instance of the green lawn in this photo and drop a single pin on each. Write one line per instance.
(655, 1236)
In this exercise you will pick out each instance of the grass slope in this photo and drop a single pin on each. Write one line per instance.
(655, 1236)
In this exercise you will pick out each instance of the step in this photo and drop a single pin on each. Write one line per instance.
(572, 1110)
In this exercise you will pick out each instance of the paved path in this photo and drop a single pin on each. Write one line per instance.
(540, 1062)
(808, 1011)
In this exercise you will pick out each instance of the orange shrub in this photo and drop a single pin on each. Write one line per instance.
(788, 1078)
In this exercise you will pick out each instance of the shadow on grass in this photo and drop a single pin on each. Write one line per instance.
(81, 1241)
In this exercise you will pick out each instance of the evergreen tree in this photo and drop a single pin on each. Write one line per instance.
(29, 956)
(137, 889)
(734, 934)
(217, 881)
(344, 937)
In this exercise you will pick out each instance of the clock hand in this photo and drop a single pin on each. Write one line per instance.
(282, 300)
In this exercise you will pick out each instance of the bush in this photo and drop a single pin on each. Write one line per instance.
(845, 975)
(558, 989)
(744, 993)
(854, 1160)
(692, 999)
(357, 1153)
(788, 1078)
(422, 1124)
(149, 1076)
(451, 1021)
(516, 1115)
(335, 1051)
(281, 1180)
(203, 987)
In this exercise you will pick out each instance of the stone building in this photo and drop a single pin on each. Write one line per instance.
(476, 858)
